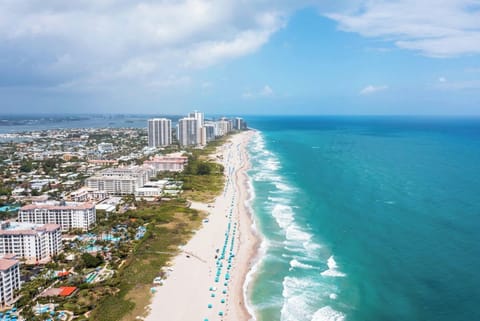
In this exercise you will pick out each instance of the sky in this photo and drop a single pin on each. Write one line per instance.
(240, 56)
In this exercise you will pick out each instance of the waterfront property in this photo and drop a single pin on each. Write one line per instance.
(119, 181)
(9, 280)
(69, 215)
(36, 243)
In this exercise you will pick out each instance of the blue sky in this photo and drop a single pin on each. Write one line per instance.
(226, 56)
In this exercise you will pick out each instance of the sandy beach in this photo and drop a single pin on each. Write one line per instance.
(206, 280)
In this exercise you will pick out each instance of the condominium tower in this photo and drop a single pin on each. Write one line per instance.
(159, 132)
(188, 132)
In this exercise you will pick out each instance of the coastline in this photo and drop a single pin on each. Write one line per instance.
(186, 293)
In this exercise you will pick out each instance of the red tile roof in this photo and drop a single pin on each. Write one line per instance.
(67, 290)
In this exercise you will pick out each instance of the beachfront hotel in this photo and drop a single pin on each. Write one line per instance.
(69, 215)
(159, 132)
(36, 243)
(9, 279)
(119, 181)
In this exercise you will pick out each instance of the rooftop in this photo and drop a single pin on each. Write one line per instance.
(5, 264)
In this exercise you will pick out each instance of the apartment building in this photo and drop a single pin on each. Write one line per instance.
(36, 243)
(69, 215)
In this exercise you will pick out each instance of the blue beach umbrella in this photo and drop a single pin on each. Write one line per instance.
(209, 306)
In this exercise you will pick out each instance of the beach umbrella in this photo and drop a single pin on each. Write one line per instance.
(209, 306)
(222, 301)
(220, 313)
(212, 295)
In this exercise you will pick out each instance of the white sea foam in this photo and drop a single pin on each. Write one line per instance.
(333, 296)
(296, 301)
(297, 264)
(294, 233)
(327, 313)
(332, 269)
(283, 214)
(283, 187)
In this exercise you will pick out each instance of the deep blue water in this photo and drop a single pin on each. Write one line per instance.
(367, 218)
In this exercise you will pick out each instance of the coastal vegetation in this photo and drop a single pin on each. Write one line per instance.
(171, 224)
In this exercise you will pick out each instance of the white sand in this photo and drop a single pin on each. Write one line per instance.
(185, 294)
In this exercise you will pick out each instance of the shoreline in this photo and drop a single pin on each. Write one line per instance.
(192, 290)
(249, 242)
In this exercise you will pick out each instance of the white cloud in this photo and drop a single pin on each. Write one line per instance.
(438, 28)
(93, 42)
(370, 89)
(266, 91)
(442, 79)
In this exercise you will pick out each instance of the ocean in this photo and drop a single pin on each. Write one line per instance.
(366, 218)
(362, 218)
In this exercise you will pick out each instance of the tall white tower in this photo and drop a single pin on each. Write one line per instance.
(159, 132)
(188, 132)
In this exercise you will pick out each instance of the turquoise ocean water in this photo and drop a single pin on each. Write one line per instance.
(366, 218)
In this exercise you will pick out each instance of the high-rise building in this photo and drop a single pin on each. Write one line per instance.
(209, 131)
(159, 132)
(223, 127)
(9, 280)
(239, 124)
(69, 215)
(119, 181)
(188, 132)
(36, 243)
(199, 117)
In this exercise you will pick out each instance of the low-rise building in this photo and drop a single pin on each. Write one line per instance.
(85, 194)
(69, 215)
(36, 243)
(170, 163)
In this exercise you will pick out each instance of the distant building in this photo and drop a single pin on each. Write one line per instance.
(36, 243)
(169, 163)
(119, 181)
(85, 194)
(9, 280)
(69, 215)
(200, 117)
(222, 127)
(239, 124)
(105, 147)
(103, 162)
(209, 132)
(188, 132)
(159, 132)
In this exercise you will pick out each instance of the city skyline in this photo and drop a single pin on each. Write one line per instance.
(269, 57)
